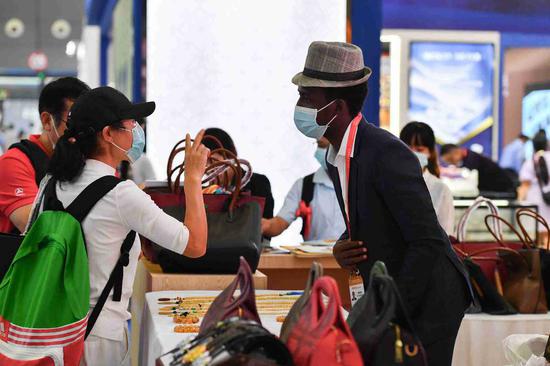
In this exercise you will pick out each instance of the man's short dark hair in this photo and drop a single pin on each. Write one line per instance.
(53, 96)
(447, 148)
(354, 96)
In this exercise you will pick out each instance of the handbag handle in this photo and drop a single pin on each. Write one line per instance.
(315, 272)
(215, 168)
(534, 215)
(510, 226)
(326, 316)
(244, 282)
(462, 224)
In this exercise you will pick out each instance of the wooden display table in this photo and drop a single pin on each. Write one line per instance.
(149, 278)
(288, 272)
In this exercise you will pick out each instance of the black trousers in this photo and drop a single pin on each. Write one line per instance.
(440, 353)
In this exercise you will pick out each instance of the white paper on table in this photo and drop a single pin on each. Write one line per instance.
(319, 243)
(314, 249)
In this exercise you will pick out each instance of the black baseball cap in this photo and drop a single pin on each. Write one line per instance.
(104, 106)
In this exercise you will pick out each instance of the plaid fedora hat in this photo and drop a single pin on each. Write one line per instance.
(333, 65)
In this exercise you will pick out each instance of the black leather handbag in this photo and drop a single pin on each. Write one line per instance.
(381, 327)
(234, 220)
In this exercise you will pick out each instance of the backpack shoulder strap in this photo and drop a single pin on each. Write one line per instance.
(39, 159)
(88, 198)
(115, 281)
(79, 208)
(307, 189)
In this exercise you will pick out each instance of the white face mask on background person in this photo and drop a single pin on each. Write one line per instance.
(320, 154)
(305, 120)
(422, 158)
(54, 128)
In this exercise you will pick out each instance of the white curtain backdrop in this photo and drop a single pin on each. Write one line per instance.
(229, 64)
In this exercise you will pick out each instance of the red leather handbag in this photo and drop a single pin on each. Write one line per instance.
(321, 336)
(228, 305)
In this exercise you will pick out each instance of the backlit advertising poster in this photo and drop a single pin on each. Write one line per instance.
(451, 89)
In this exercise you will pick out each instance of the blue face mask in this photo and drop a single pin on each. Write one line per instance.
(306, 121)
(422, 158)
(320, 154)
(138, 143)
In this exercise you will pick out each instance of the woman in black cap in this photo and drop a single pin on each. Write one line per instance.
(102, 132)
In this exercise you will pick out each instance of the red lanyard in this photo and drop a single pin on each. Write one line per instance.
(349, 149)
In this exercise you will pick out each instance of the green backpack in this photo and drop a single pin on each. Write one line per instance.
(45, 295)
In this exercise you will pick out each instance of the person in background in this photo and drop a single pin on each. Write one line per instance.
(259, 184)
(384, 201)
(23, 166)
(314, 200)
(513, 154)
(512, 158)
(492, 178)
(534, 178)
(101, 133)
(421, 139)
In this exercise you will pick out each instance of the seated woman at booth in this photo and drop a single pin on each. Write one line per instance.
(101, 133)
(421, 139)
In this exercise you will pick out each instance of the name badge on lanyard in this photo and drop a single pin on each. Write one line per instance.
(356, 287)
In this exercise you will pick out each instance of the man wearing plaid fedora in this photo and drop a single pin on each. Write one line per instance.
(383, 197)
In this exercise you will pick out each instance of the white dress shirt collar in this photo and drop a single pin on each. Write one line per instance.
(331, 157)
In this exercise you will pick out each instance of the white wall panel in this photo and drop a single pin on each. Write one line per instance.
(228, 64)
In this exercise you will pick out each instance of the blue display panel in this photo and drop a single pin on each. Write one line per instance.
(451, 89)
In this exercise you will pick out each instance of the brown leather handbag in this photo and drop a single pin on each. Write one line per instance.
(296, 310)
(521, 275)
(228, 304)
(544, 252)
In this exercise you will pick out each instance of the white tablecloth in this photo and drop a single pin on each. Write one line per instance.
(480, 338)
(157, 335)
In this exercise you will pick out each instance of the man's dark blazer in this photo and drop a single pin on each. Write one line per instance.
(391, 211)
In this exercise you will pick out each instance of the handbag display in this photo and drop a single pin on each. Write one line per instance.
(520, 284)
(297, 309)
(381, 326)
(521, 274)
(228, 304)
(233, 342)
(321, 336)
(488, 263)
(234, 219)
(544, 252)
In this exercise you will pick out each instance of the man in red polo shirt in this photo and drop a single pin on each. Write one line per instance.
(23, 166)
